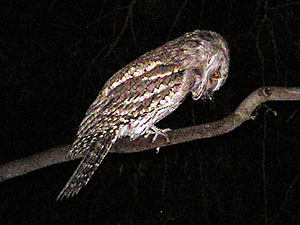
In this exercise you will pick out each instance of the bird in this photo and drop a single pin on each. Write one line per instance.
(144, 92)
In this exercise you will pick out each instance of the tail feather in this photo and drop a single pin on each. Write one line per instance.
(82, 144)
(87, 167)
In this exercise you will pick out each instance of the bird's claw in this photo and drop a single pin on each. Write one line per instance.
(157, 131)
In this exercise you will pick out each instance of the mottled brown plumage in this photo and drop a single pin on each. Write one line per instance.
(145, 91)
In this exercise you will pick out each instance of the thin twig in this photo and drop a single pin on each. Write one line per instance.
(176, 19)
(114, 43)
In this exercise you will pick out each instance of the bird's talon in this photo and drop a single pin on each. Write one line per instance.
(156, 131)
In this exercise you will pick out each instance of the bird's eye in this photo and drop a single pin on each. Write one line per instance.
(216, 75)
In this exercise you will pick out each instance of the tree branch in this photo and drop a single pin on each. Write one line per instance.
(241, 114)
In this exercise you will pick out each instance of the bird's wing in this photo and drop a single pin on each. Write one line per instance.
(128, 101)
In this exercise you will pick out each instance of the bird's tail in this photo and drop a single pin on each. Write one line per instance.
(93, 157)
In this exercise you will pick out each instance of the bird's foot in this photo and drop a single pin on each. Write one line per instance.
(157, 131)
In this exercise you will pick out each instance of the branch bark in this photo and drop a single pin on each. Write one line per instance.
(241, 114)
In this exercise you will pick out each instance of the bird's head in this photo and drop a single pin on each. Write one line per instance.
(210, 64)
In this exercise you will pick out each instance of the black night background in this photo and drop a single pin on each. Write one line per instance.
(55, 56)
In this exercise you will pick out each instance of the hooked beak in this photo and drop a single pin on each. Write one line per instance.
(215, 84)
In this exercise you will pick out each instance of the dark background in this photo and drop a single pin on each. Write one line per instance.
(56, 55)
